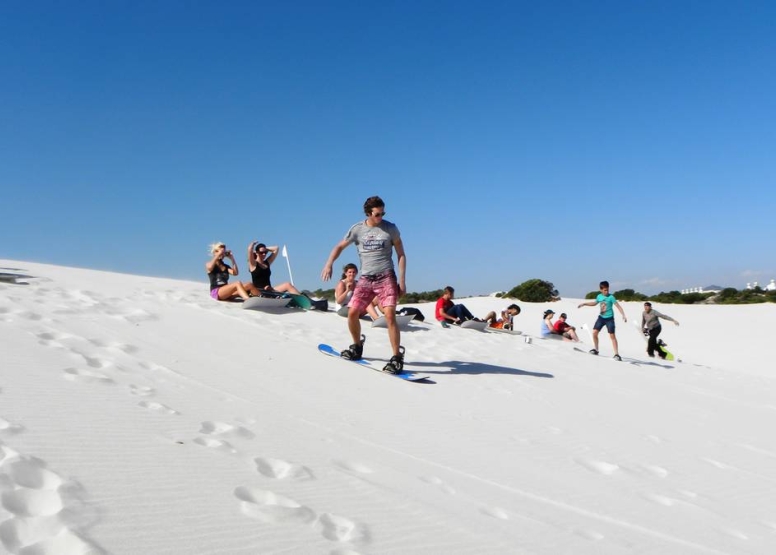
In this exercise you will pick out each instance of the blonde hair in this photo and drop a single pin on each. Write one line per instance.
(215, 246)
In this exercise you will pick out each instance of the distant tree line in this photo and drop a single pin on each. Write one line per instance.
(541, 291)
(729, 295)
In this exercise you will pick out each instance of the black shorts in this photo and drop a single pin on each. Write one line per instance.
(601, 322)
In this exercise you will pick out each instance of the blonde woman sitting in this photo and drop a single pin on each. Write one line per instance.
(219, 271)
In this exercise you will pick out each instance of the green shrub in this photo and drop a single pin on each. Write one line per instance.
(534, 291)
(629, 295)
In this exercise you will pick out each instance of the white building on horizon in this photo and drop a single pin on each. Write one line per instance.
(707, 289)
(770, 287)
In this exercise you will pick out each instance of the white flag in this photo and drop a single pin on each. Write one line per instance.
(284, 252)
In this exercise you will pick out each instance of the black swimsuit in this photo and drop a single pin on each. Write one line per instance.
(261, 277)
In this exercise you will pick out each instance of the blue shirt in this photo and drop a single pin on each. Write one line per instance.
(605, 305)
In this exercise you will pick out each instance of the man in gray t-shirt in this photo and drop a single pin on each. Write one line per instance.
(650, 324)
(375, 240)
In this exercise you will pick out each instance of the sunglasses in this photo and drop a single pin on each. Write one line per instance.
(262, 252)
(379, 215)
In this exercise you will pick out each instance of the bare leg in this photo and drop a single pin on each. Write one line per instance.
(393, 328)
(614, 343)
(595, 339)
(287, 288)
(354, 325)
(252, 289)
(230, 290)
(490, 317)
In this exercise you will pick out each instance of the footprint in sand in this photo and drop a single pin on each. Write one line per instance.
(123, 347)
(656, 471)
(141, 390)
(51, 338)
(599, 467)
(353, 466)
(93, 362)
(591, 535)
(87, 376)
(495, 512)
(40, 518)
(33, 316)
(214, 428)
(216, 444)
(271, 507)
(660, 499)
(720, 465)
(278, 469)
(434, 481)
(157, 407)
(10, 428)
(340, 529)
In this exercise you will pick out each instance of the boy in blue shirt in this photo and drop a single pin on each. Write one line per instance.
(605, 303)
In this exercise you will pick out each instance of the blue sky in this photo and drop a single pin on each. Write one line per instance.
(569, 141)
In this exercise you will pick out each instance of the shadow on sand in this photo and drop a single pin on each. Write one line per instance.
(472, 368)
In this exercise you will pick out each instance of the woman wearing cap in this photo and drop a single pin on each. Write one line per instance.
(219, 271)
(260, 258)
(547, 330)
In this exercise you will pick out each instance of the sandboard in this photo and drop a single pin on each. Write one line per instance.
(265, 303)
(474, 325)
(502, 330)
(402, 319)
(404, 375)
(661, 345)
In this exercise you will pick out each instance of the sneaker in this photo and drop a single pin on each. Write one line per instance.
(396, 364)
(355, 351)
(593, 352)
(617, 357)
(444, 324)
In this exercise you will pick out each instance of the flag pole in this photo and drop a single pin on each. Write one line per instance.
(288, 263)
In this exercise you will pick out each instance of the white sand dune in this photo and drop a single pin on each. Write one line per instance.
(138, 416)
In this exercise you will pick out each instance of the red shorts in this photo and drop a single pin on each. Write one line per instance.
(383, 286)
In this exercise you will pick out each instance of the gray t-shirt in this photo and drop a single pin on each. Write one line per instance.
(651, 320)
(375, 246)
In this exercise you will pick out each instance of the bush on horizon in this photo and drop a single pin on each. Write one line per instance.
(534, 291)
(729, 295)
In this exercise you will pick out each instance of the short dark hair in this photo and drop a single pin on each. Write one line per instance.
(450, 290)
(647, 303)
(373, 202)
(515, 307)
(603, 284)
